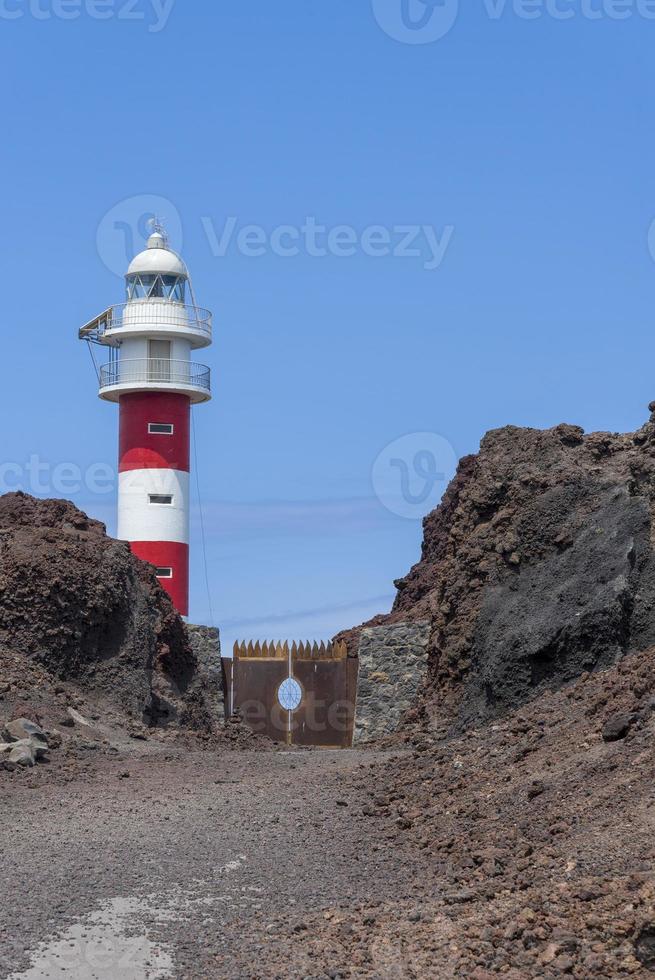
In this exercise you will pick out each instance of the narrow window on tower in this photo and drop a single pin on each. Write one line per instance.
(160, 428)
(164, 572)
(160, 498)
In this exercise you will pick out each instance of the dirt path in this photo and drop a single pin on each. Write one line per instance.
(195, 865)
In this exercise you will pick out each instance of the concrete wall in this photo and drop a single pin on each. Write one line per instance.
(392, 664)
(206, 644)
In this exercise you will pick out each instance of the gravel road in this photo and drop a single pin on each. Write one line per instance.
(191, 864)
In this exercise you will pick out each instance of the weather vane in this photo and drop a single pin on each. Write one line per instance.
(156, 226)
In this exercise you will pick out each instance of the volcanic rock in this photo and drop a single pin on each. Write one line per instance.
(80, 606)
(22, 728)
(617, 727)
(645, 946)
(22, 754)
(538, 566)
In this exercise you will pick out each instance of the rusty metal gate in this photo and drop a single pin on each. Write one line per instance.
(303, 694)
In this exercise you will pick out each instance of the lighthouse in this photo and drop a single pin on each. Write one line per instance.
(151, 372)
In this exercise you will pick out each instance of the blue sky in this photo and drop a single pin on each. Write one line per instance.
(522, 146)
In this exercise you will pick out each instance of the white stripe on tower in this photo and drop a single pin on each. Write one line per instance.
(144, 511)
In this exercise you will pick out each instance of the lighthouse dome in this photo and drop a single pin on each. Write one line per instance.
(157, 258)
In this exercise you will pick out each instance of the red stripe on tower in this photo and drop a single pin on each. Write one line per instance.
(166, 555)
(143, 440)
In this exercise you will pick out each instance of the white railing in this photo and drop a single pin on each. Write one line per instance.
(155, 371)
(155, 314)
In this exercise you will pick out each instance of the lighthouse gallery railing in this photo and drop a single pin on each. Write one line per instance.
(157, 370)
(155, 314)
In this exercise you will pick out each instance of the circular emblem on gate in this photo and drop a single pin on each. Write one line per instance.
(289, 694)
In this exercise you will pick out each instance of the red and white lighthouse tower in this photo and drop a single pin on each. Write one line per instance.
(151, 340)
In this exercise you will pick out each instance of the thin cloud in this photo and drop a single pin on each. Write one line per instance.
(290, 616)
(290, 518)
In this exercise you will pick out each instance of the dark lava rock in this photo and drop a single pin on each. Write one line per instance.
(82, 606)
(617, 727)
(536, 789)
(568, 612)
(537, 567)
(645, 946)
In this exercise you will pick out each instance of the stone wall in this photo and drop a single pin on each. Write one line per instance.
(392, 665)
(206, 644)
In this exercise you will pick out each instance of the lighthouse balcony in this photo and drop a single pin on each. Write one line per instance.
(151, 317)
(155, 374)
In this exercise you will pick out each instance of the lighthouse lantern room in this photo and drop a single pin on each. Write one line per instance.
(151, 340)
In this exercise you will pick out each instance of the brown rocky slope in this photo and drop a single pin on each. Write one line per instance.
(530, 785)
(537, 836)
(537, 566)
(77, 607)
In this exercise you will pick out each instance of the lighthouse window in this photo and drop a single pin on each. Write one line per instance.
(136, 288)
(152, 286)
(173, 288)
(160, 429)
(164, 572)
(160, 498)
(145, 286)
(157, 289)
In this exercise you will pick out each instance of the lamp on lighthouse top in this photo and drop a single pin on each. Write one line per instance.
(157, 273)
